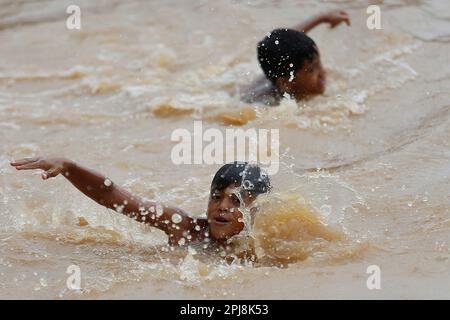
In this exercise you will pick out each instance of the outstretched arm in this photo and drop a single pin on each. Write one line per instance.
(172, 221)
(334, 18)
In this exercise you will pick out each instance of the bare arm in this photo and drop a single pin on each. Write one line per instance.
(334, 18)
(172, 221)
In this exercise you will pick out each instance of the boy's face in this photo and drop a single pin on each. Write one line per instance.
(309, 80)
(224, 216)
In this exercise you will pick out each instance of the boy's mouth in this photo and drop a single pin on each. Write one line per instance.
(221, 220)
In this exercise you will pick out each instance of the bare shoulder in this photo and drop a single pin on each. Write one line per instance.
(184, 228)
(191, 229)
(262, 91)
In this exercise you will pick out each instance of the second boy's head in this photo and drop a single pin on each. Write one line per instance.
(235, 186)
(291, 60)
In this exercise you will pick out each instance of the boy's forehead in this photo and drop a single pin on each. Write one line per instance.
(231, 189)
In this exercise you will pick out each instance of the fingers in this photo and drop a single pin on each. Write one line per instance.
(347, 20)
(344, 17)
(28, 165)
(23, 161)
(38, 163)
(51, 173)
(339, 17)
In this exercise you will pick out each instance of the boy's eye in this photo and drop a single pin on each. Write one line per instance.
(215, 196)
(235, 200)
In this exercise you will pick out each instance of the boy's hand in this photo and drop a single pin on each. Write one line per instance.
(335, 17)
(51, 166)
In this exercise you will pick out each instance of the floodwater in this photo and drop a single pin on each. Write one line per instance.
(364, 169)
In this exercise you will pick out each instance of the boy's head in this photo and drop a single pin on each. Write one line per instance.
(235, 185)
(291, 60)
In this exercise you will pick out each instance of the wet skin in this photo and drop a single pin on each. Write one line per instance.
(311, 78)
(224, 218)
(307, 81)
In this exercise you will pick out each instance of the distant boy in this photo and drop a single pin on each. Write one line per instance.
(291, 62)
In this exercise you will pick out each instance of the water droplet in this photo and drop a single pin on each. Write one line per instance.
(291, 76)
(176, 218)
(248, 185)
(43, 282)
(159, 210)
(325, 209)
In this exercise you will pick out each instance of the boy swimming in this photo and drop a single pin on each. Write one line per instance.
(235, 186)
(291, 62)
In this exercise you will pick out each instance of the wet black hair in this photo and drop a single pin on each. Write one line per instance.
(250, 177)
(284, 51)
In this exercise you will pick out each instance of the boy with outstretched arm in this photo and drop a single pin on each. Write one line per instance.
(235, 187)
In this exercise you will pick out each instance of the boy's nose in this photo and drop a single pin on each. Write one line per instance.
(225, 204)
